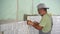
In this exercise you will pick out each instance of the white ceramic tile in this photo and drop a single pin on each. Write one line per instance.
(23, 28)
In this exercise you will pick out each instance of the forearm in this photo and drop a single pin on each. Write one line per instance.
(37, 26)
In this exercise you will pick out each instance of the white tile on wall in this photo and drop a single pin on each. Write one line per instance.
(56, 25)
(23, 28)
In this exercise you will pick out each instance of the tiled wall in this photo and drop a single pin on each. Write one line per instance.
(56, 25)
(18, 28)
(23, 28)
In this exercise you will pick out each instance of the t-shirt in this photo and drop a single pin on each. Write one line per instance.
(46, 23)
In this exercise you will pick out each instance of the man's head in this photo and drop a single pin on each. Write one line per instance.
(42, 9)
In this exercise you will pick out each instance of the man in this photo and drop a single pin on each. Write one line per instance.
(45, 24)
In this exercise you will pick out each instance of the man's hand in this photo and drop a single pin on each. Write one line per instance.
(29, 22)
(34, 24)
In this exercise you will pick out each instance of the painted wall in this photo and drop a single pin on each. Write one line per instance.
(8, 8)
(25, 7)
(53, 5)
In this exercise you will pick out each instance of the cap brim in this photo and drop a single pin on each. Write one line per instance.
(45, 8)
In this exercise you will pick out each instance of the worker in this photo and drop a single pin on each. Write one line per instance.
(45, 25)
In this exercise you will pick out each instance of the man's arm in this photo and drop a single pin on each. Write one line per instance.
(34, 24)
(37, 26)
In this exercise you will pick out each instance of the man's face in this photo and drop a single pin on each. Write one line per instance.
(41, 11)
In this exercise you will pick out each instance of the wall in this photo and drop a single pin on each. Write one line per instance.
(8, 8)
(53, 5)
(25, 7)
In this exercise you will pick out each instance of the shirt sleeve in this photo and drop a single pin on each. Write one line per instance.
(44, 21)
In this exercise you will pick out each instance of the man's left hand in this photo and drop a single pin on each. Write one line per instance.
(29, 22)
